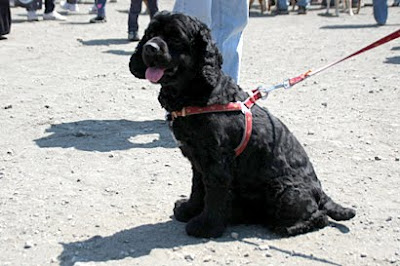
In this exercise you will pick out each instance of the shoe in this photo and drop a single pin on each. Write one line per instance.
(280, 12)
(133, 36)
(32, 16)
(98, 19)
(69, 7)
(302, 10)
(53, 16)
(93, 10)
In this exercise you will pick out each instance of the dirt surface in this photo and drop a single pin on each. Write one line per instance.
(89, 172)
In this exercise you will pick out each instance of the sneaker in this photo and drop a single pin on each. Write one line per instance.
(53, 16)
(302, 10)
(32, 16)
(280, 12)
(133, 36)
(69, 7)
(93, 10)
(98, 19)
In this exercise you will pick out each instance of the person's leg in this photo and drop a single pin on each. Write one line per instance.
(282, 5)
(200, 9)
(302, 4)
(49, 6)
(229, 18)
(153, 7)
(134, 11)
(101, 10)
(380, 11)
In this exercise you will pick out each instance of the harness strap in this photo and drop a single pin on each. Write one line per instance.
(244, 107)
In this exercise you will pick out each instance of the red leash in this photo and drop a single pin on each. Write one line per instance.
(262, 92)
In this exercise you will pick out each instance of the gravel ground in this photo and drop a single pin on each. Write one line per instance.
(89, 172)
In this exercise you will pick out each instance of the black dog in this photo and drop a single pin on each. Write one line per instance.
(271, 182)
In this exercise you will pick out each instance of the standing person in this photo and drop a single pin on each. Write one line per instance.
(70, 5)
(282, 7)
(380, 11)
(5, 18)
(49, 12)
(101, 12)
(134, 11)
(227, 20)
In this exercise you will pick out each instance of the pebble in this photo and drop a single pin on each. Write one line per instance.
(263, 247)
(28, 244)
(377, 158)
(8, 107)
(189, 257)
(176, 248)
(363, 255)
(207, 259)
(234, 235)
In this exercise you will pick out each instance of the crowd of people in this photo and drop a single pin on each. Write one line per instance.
(226, 19)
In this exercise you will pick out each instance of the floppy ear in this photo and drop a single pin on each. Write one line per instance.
(136, 65)
(210, 59)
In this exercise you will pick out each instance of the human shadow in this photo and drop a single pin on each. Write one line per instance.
(100, 42)
(393, 60)
(108, 135)
(141, 240)
(351, 26)
(119, 52)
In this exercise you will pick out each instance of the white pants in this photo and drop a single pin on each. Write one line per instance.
(227, 20)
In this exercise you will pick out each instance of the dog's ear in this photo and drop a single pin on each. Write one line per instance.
(210, 59)
(136, 64)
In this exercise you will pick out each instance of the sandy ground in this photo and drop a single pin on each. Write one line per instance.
(89, 172)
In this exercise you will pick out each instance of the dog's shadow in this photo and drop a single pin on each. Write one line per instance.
(108, 135)
(141, 240)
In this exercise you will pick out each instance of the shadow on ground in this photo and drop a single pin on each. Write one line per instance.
(119, 52)
(100, 42)
(353, 26)
(141, 240)
(108, 135)
(393, 60)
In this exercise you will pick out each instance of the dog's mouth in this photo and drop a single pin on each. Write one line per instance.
(154, 74)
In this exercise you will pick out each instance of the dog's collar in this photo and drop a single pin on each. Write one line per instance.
(244, 107)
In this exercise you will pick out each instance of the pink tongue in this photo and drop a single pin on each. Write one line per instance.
(154, 74)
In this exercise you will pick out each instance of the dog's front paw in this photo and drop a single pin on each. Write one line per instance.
(184, 211)
(201, 226)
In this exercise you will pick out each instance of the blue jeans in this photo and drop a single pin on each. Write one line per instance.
(134, 11)
(284, 4)
(380, 11)
(101, 8)
(227, 20)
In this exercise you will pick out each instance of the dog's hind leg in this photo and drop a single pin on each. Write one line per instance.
(318, 220)
(186, 209)
(336, 211)
(298, 211)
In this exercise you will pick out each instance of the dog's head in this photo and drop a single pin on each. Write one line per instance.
(174, 50)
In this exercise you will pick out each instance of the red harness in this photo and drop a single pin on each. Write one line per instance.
(244, 106)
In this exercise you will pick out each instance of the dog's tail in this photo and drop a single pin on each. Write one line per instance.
(336, 211)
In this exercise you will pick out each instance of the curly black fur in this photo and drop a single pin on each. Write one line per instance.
(272, 182)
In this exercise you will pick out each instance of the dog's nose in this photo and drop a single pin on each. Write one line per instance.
(151, 48)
